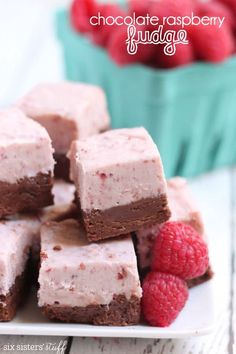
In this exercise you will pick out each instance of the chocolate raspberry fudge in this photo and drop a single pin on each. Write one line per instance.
(83, 282)
(183, 209)
(16, 238)
(119, 181)
(68, 111)
(26, 164)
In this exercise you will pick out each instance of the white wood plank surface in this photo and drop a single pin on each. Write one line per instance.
(214, 196)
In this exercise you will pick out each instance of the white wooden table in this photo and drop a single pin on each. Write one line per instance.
(216, 195)
(30, 54)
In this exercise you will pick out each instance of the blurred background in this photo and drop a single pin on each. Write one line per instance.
(190, 110)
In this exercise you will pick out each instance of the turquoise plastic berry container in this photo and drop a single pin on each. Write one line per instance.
(190, 112)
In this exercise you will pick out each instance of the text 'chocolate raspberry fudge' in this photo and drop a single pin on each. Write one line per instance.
(87, 282)
(68, 111)
(26, 164)
(120, 182)
(16, 238)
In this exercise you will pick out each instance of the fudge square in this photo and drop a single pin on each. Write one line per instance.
(83, 282)
(26, 164)
(120, 182)
(16, 238)
(183, 209)
(68, 111)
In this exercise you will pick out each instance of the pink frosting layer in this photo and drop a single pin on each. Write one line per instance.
(76, 273)
(25, 147)
(16, 237)
(67, 110)
(116, 168)
(183, 209)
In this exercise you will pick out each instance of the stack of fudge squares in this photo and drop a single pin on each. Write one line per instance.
(80, 207)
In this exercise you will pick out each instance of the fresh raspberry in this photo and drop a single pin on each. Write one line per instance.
(164, 296)
(212, 43)
(216, 9)
(117, 49)
(184, 55)
(166, 8)
(231, 4)
(80, 13)
(103, 32)
(180, 250)
(140, 7)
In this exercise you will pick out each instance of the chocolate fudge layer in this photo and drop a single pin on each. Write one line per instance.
(119, 312)
(10, 302)
(16, 238)
(68, 111)
(183, 209)
(202, 279)
(87, 282)
(119, 181)
(26, 162)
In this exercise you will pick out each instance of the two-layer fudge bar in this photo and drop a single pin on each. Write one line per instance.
(16, 238)
(183, 209)
(63, 208)
(68, 111)
(85, 282)
(119, 181)
(26, 164)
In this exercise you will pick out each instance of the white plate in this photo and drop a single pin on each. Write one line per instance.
(201, 312)
(197, 318)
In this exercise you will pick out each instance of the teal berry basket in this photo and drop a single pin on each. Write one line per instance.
(190, 112)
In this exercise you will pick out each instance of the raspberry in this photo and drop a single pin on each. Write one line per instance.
(117, 49)
(164, 296)
(184, 55)
(216, 9)
(212, 43)
(103, 32)
(180, 250)
(231, 4)
(165, 8)
(140, 7)
(80, 13)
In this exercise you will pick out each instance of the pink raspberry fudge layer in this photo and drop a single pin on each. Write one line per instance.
(119, 181)
(68, 111)
(90, 283)
(26, 159)
(16, 237)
